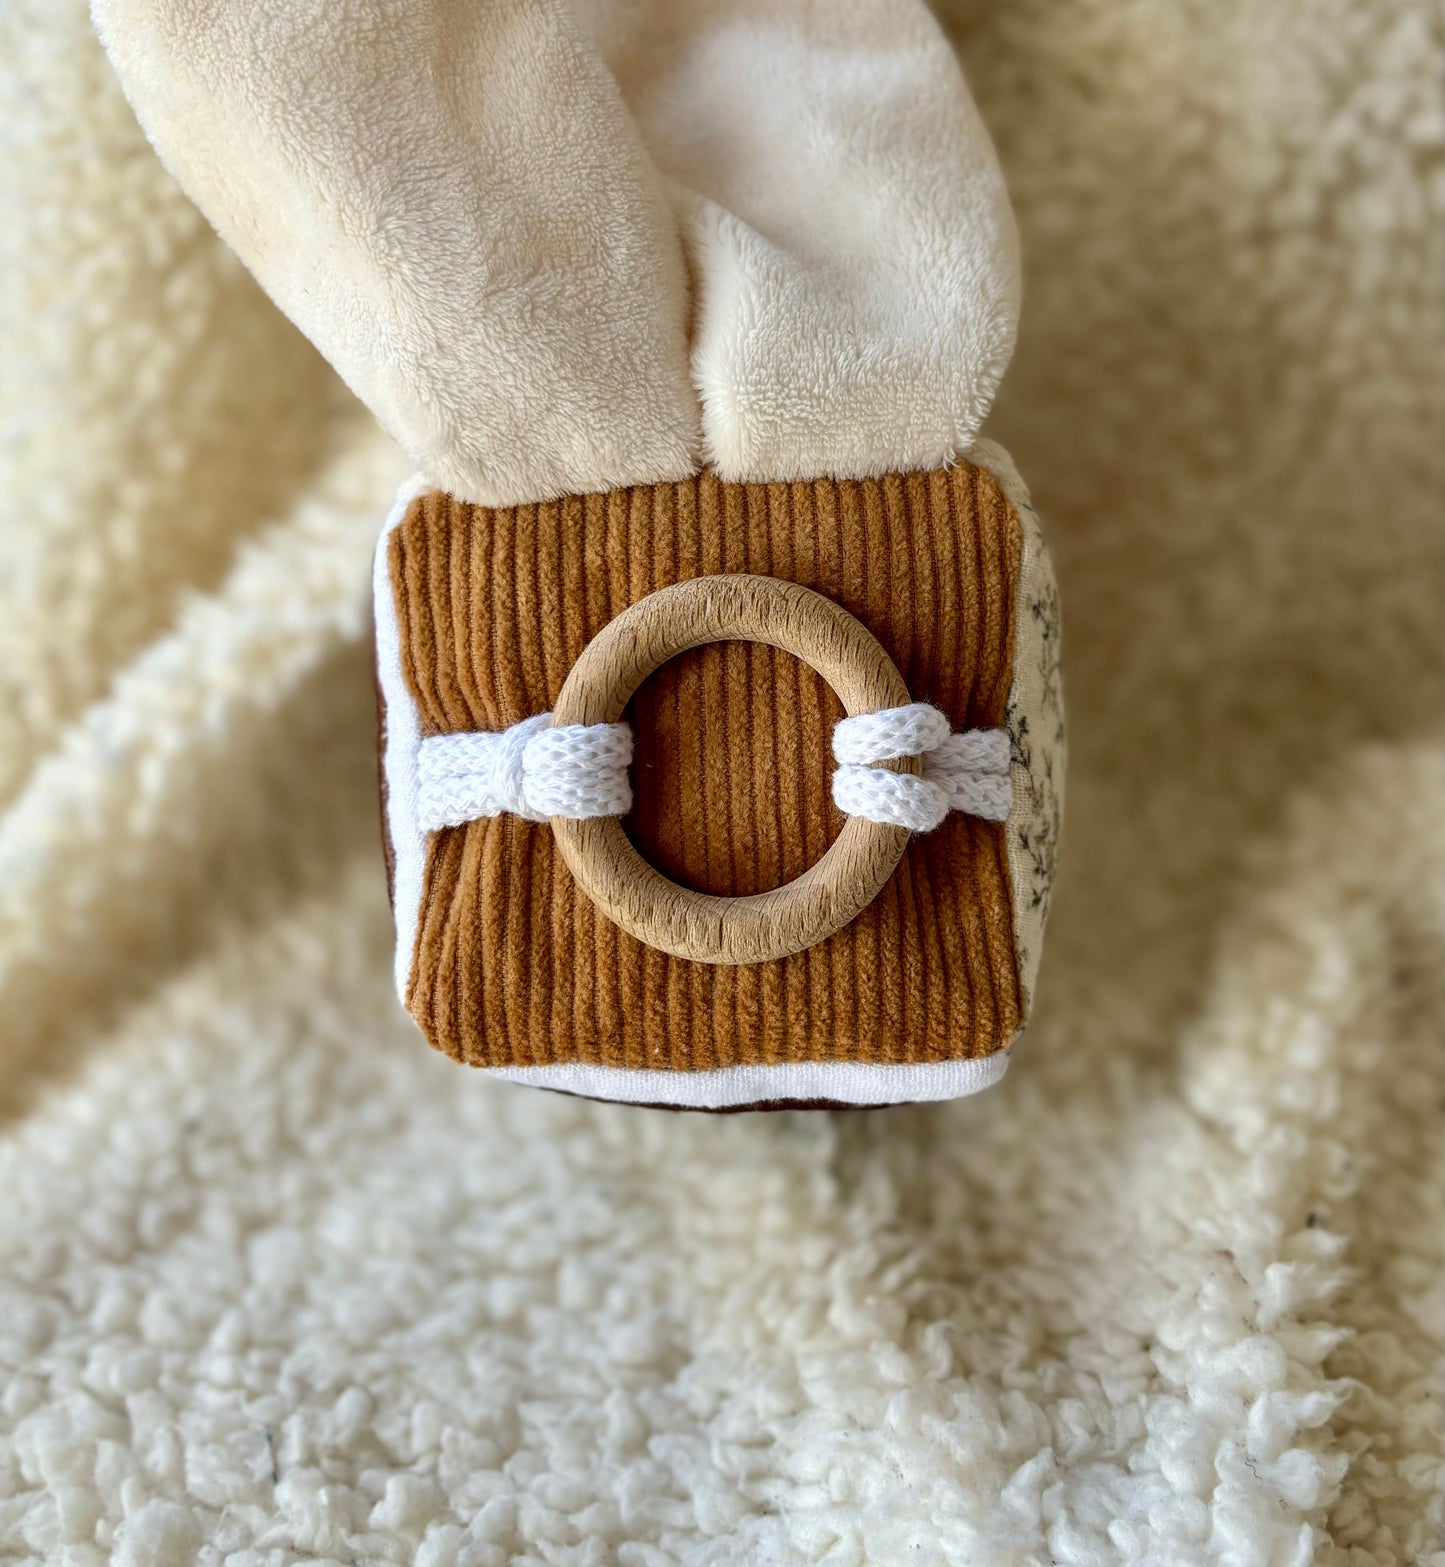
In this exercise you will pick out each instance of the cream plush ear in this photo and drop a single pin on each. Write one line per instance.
(450, 198)
(853, 251)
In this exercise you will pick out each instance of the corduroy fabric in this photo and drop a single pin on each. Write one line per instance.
(513, 966)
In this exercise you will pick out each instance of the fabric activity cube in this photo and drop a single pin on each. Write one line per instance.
(631, 855)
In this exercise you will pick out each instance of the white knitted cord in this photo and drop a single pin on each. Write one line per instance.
(531, 770)
(893, 732)
(966, 772)
(580, 770)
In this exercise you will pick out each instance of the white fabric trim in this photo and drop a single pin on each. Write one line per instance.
(403, 743)
(842, 1082)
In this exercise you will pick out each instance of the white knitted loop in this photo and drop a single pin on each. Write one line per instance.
(896, 798)
(989, 795)
(966, 772)
(579, 770)
(969, 751)
(531, 770)
(893, 732)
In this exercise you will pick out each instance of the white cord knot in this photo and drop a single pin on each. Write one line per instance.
(531, 770)
(966, 772)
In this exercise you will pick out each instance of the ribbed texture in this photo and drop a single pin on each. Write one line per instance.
(732, 767)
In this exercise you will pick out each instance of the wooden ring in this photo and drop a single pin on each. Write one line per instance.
(701, 926)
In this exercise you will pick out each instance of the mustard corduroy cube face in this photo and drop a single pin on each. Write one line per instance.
(512, 959)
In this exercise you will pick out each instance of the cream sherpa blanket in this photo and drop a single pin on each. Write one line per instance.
(279, 1286)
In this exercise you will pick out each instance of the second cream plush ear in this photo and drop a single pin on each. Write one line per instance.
(853, 251)
(478, 213)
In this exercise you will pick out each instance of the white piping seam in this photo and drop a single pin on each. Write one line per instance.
(403, 744)
(841, 1082)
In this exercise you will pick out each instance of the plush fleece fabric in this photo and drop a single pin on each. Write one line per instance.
(280, 1285)
(479, 214)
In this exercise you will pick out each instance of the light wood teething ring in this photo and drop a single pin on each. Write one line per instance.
(645, 903)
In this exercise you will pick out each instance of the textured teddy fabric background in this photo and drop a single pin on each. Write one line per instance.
(277, 1285)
